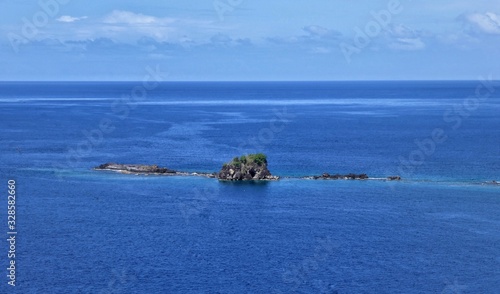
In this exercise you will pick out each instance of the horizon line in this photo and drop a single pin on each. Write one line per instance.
(238, 81)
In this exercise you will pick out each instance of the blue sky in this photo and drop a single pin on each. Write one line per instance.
(249, 40)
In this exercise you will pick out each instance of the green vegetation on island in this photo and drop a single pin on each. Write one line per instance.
(259, 159)
(246, 167)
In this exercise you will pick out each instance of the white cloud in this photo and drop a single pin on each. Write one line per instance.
(67, 18)
(401, 31)
(488, 22)
(131, 18)
(317, 39)
(126, 26)
(321, 50)
(460, 39)
(315, 31)
(407, 44)
(401, 37)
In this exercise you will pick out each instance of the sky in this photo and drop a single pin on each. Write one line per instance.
(228, 40)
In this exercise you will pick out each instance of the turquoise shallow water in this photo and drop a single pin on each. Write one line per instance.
(82, 231)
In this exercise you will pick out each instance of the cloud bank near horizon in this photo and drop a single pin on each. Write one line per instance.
(382, 40)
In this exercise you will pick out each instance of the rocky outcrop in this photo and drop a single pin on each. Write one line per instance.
(246, 168)
(141, 169)
(327, 176)
(493, 183)
(251, 167)
(135, 168)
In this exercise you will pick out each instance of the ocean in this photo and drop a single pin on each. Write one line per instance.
(84, 231)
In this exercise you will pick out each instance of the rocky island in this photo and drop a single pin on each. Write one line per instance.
(246, 168)
(251, 167)
(135, 168)
(140, 169)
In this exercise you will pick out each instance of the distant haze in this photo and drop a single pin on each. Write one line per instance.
(249, 40)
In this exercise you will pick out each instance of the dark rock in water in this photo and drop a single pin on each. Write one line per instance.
(246, 168)
(363, 176)
(141, 169)
(494, 183)
(135, 168)
(351, 176)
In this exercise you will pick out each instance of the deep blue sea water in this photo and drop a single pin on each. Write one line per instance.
(83, 231)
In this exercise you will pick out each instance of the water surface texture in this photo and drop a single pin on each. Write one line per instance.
(83, 231)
